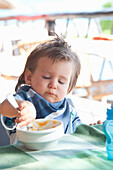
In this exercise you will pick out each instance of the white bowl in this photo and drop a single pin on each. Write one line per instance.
(46, 137)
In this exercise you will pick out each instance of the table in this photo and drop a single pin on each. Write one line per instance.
(85, 149)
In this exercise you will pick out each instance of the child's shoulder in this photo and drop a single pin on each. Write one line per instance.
(72, 108)
(24, 88)
(22, 92)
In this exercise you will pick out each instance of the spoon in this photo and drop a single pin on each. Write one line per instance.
(9, 123)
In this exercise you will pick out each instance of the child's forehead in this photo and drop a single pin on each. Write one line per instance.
(51, 61)
(60, 67)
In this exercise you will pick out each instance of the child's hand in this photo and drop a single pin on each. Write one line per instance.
(98, 122)
(26, 114)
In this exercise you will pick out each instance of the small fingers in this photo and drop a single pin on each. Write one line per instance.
(23, 117)
(26, 114)
(26, 122)
(98, 122)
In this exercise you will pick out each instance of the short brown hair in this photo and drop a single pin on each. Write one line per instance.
(56, 50)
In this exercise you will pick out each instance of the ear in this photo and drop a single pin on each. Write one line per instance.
(28, 77)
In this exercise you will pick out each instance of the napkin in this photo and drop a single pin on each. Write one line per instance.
(93, 134)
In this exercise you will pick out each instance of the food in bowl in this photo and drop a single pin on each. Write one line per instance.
(38, 125)
(40, 134)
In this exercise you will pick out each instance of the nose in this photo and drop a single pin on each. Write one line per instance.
(52, 85)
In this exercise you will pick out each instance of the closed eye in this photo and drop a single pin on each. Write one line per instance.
(61, 82)
(45, 77)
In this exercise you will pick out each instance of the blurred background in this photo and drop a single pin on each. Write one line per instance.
(87, 25)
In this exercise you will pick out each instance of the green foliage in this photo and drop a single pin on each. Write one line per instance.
(107, 5)
(106, 25)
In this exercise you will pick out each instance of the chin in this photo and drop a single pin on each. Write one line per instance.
(51, 100)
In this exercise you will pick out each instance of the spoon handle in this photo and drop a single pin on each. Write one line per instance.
(9, 123)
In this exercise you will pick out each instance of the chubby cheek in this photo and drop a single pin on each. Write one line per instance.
(38, 86)
(62, 93)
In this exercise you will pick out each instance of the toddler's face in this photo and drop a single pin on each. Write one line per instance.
(50, 80)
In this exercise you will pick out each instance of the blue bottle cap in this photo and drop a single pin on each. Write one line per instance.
(110, 114)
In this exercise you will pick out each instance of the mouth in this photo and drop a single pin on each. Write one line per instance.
(51, 93)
